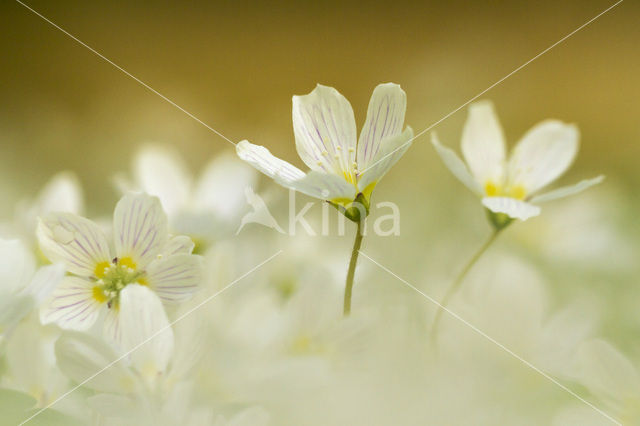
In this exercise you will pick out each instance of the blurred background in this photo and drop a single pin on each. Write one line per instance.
(236, 65)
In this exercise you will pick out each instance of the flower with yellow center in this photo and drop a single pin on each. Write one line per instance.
(144, 254)
(511, 186)
(343, 166)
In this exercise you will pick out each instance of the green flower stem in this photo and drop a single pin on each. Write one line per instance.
(460, 278)
(352, 267)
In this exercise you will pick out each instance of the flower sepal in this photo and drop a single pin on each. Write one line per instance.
(355, 209)
(499, 220)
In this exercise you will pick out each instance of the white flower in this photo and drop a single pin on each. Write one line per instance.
(611, 377)
(22, 287)
(147, 385)
(145, 332)
(507, 300)
(62, 193)
(204, 208)
(30, 361)
(144, 254)
(511, 186)
(342, 165)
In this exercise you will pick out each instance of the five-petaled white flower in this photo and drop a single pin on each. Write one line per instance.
(511, 186)
(144, 254)
(342, 165)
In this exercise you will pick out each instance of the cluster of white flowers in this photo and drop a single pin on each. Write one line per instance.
(165, 315)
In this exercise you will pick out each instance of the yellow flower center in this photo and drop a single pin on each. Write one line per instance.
(99, 295)
(128, 262)
(518, 192)
(492, 189)
(111, 278)
(350, 177)
(101, 269)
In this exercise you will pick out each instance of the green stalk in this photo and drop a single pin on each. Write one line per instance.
(460, 278)
(352, 267)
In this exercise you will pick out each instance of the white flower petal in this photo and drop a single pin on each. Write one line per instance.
(72, 305)
(13, 308)
(566, 191)
(455, 165)
(315, 184)
(29, 357)
(385, 119)
(324, 186)
(483, 145)
(325, 130)
(607, 372)
(80, 356)
(178, 244)
(389, 152)
(73, 240)
(16, 266)
(140, 228)
(176, 277)
(45, 280)
(260, 158)
(543, 154)
(221, 187)
(61, 194)
(510, 206)
(111, 326)
(162, 173)
(146, 332)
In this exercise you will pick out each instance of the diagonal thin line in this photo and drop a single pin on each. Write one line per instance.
(145, 85)
(494, 84)
(181, 317)
(494, 341)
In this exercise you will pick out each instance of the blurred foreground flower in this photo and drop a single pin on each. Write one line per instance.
(145, 382)
(610, 376)
(509, 187)
(145, 255)
(62, 193)
(22, 286)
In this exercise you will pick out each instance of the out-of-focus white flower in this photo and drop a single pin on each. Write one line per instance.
(342, 165)
(206, 208)
(512, 186)
(591, 231)
(144, 254)
(147, 386)
(62, 193)
(510, 304)
(30, 361)
(611, 377)
(146, 334)
(22, 286)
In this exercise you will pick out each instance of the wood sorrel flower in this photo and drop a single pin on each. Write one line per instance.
(144, 254)
(342, 165)
(511, 186)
